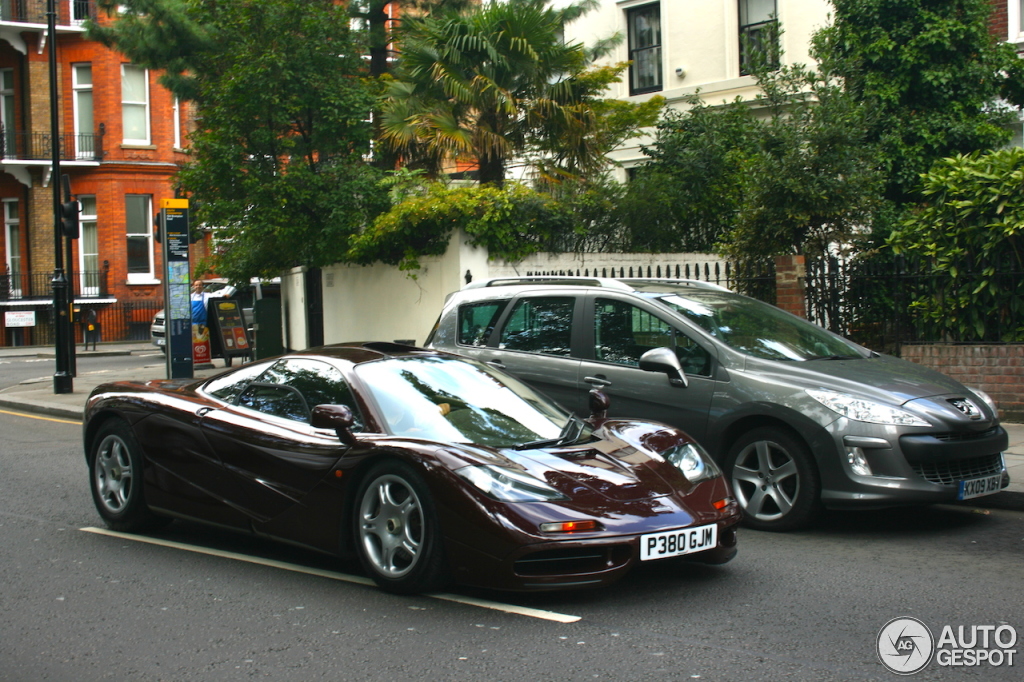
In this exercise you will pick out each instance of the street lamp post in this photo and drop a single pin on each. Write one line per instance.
(62, 378)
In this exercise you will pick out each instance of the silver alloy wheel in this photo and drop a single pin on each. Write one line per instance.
(391, 527)
(112, 473)
(765, 479)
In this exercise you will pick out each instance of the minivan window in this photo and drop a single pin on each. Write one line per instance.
(623, 332)
(759, 329)
(540, 325)
(476, 322)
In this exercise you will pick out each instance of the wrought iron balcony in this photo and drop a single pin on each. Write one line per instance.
(20, 145)
(69, 12)
(25, 286)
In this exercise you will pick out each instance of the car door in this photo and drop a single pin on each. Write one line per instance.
(619, 331)
(265, 440)
(534, 341)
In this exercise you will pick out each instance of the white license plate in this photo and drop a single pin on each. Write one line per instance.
(678, 542)
(976, 487)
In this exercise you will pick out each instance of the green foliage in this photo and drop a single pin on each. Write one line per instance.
(510, 222)
(971, 231)
(277, 165)
(497, 81)
(929, 72)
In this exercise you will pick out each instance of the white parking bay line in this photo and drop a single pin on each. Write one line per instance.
(344, 577)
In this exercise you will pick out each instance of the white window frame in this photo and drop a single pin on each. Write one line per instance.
(87, 223)
(133, 103)
(13, 245)
(176, 111)
(630, 11)
(83, 150)
(71, 12)
(142, 277)
(1014, 17)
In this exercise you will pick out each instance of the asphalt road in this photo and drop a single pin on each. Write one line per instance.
(14, 370)
(82, 606)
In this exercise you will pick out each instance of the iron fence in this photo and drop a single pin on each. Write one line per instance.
(39, 146)
(879, 302)
(120, 321)
(21, 286)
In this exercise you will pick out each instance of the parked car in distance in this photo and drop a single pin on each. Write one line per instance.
(256, 290)
(426, 465)
(798, 417)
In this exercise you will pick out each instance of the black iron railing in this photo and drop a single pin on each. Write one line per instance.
(69, 12)
(39, 146)
(21, 286)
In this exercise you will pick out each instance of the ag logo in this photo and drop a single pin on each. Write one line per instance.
(905, 645)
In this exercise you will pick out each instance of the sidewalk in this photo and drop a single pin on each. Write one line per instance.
(37, 396)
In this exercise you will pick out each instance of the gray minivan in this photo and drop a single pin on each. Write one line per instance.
(798, 417)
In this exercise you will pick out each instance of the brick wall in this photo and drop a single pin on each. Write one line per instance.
(996, 369)
(790, 272)
(998, 23)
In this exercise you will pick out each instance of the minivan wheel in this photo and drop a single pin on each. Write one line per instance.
(774, 479)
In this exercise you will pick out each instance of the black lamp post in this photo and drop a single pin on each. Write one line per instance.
(62, 378)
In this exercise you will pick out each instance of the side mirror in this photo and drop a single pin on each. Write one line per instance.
(599, 403)
(665, 361)
(337, 417)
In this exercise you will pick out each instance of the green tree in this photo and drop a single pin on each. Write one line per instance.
(277, 164)
(970, 231)
(496, 82)
(930, 73)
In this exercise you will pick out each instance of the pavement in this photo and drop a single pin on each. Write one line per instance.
(37, 396)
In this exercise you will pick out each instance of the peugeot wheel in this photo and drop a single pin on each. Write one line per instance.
(115, 471)
(396, 529)
(774, 479)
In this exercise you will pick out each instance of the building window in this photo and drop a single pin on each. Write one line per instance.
(644, 48)
(7, 110)
(756, 18)
(81, 84)
(1015, 21)
(140, 238)
(88, 248)
(12, 233)
(135, 104)
(80, 11)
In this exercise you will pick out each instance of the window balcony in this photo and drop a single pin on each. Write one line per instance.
(38, 286)
(18, 145)
(69, 12)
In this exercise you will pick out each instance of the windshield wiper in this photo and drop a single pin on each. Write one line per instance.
(564, 438)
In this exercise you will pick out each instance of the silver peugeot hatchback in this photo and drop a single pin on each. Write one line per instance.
(798, 417)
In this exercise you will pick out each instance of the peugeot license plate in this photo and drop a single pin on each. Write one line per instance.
(976, 487)
(678, 542)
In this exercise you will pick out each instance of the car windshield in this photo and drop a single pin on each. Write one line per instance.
(759, 329)
(461, 401)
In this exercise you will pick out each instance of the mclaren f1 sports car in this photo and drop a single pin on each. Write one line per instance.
(428, 466)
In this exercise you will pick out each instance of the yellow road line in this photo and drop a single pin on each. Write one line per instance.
(45, 419)
(344, 577)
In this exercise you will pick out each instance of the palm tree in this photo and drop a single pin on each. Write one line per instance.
(493, 82)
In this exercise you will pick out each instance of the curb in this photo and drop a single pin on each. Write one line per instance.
(35, 407)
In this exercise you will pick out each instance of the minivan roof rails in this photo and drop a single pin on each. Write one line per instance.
(605, 282)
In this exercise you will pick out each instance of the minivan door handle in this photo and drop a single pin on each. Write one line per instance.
(598, 381)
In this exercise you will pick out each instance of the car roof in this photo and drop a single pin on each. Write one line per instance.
(486, 288)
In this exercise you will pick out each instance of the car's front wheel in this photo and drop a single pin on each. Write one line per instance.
(115, 468)
(397, 532)
(774, 478)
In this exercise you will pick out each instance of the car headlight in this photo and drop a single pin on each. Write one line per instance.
(509, 485)
(861, 410)
(691, 459)
(986, 398)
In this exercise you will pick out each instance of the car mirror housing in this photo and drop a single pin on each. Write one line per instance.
(337, 417)
(599, 403)
(665, 361)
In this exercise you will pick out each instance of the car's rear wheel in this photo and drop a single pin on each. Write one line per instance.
(774, 478)
(115, 468)
(397, 533)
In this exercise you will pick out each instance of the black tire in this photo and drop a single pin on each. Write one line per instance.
(396, 531)
(115, 477)
(774, 478)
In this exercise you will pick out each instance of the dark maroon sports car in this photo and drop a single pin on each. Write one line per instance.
(429, 466)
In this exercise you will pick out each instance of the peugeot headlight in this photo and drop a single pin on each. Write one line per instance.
(986, 398)
(691, 459)
(509, 485)
(861, 410)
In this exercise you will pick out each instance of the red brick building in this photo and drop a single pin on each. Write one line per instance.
(121, 141)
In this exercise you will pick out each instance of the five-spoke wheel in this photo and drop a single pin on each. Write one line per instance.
(115, 466)
(774, 478)
(396, 530)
